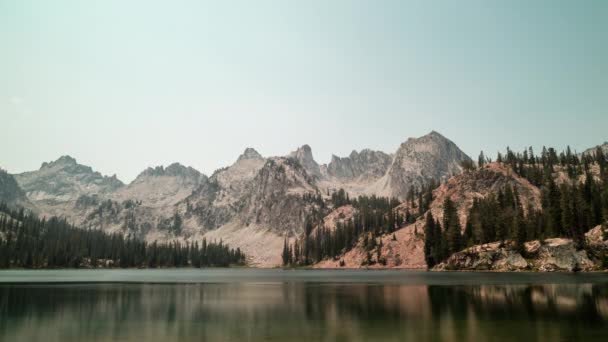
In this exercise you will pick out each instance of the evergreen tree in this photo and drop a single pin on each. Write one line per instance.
(286, 253)
(481, 160)
(430, 253)
(451, 226)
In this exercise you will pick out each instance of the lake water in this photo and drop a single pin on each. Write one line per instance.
(303, 305)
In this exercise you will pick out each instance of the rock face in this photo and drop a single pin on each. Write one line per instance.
(416, 162)
(11, 194)
(276, 197)
(419, 160)
(365, 164)
(304, 156)
(558, 255)
(547, 256)
(219, 199)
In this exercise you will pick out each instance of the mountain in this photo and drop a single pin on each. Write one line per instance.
(406, 248)
(64, 180)
(272, 206)
(218, 200)
(304, 156)
(366, 164)
(161, 186)
(480, 183)
(57, 185)
(592, 151)
(417, 161)
(10, 192)
(254, 204)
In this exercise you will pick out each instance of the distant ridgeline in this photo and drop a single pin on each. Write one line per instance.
(518, 198)
(27, 241)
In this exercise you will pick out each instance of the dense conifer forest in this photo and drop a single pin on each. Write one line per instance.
(27, 241)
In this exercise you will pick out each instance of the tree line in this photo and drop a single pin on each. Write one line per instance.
(569, 207)
(27, 241)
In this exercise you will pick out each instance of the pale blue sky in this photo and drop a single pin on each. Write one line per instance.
(122, 85)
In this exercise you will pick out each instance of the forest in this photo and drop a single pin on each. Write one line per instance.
(574, 199)
(27, 241)
(373, 217)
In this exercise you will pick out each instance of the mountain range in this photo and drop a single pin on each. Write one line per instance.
(254, 204)
(258, 202)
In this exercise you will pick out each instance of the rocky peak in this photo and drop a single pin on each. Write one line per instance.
(419, 160)
(366, 162)
(250, 153)
(173, 170)
(276, 196)
(65, 162)
(304, 156)
(63, 180)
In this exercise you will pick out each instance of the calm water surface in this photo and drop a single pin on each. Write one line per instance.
(277, 305)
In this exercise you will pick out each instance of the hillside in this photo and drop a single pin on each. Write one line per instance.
(406, 250)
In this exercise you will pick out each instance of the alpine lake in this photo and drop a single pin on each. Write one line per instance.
(245, 304)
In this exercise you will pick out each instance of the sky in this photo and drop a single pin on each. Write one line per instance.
(123, 85)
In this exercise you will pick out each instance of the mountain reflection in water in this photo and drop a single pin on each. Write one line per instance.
(303, 311)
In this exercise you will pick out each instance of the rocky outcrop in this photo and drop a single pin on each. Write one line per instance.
(558, 254)
(550, 255)
(340, 215)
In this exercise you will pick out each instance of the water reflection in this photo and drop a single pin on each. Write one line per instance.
(303, 311)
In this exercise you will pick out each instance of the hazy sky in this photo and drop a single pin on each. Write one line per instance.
(122, 85)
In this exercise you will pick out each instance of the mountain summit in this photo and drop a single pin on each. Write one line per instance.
(419, 160)
(250, 153)
(304, 156)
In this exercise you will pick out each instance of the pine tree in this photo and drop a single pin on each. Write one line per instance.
(451, 226)
(286, 254)
(481, 160)
(429, 241)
